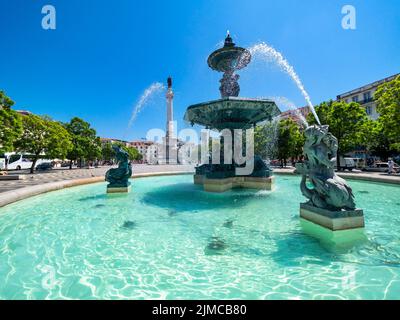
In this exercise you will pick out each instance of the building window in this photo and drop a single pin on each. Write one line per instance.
(355, 99)
(368, 109)
(346, 100)
(367, 96)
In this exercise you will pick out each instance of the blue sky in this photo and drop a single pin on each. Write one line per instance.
(103, 54)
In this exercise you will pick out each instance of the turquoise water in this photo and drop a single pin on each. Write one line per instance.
(168, 239)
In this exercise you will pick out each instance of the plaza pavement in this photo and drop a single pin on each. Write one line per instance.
(66, 174)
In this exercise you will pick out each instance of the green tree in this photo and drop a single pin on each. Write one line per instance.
(290, 141)
(5, 101)
(133, 153)
(94, 150)
(86, 144)
(374, 139)
(387, 98)
(43, 137)
(299, 140)
(265, 140)
(348, 122)
(10, 124)
(107, 152)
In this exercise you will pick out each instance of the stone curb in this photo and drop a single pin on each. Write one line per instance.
(355, 176)
(390, 180)
(12, 177)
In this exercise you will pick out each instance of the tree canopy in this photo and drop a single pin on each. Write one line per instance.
(10, 124)
(265, 140)
(290, 140)
(348, 122)
(387, 98)
(134, 154)
(5, 101)
(107, 152)
(43, 137)
(85, 143)
(279, 140)
(10, 129)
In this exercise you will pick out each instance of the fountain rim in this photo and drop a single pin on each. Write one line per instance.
(243, 99)
(242, 103)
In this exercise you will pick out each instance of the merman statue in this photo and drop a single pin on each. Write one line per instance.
(330, 199)
(118, 178)
(329, 190)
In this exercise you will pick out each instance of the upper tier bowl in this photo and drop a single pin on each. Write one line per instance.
(229, 57)
(231, 113)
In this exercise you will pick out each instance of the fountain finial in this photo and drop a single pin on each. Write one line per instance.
(228, 40)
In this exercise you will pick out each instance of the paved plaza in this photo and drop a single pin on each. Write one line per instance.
(66, 174)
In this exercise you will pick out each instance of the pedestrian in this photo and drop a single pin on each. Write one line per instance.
(391, 165)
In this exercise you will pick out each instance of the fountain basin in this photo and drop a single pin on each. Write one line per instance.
(231, 113)
(161, 241)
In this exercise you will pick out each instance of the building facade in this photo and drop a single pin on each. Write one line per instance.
(365, 96)
(297, 115)
(148, 150)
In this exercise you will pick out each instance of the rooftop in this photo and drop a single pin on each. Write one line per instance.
(367, 86)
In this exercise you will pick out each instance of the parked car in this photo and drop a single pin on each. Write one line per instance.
(44, 166)
(381, 167)
(65, 164)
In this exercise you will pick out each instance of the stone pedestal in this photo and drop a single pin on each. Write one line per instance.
(118, 189)
(333, 220)
(198, 179)
(222, 185)
(334, 241)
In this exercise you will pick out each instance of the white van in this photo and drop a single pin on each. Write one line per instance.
(22, 161)
(347, 164)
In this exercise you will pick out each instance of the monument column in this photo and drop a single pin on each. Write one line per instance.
(169, 156)
(170, 110)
